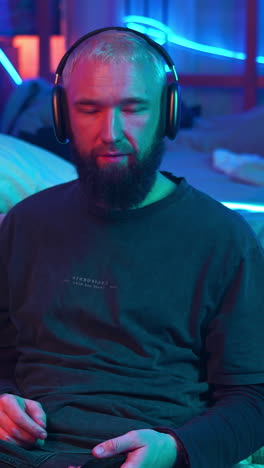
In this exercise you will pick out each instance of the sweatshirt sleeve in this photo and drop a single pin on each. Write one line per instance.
(232, 428)
(230, 431)
(8, 351)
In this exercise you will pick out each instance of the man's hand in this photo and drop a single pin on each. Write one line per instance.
(22, 421)
(145, 448)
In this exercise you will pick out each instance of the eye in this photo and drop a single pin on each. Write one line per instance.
(133, 109)
(87, 111)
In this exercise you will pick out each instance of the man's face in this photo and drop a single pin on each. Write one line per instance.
(114, 112)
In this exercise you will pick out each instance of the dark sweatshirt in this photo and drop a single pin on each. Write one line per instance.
(145, 318)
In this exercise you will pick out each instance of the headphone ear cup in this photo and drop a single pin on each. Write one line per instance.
(59, 112)
(173, 118)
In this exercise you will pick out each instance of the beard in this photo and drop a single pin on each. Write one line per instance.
(118, 186)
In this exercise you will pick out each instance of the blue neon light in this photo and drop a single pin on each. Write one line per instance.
(162, 33)
(4, 60)
(244, 207)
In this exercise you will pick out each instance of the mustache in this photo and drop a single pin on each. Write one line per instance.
(104, 149)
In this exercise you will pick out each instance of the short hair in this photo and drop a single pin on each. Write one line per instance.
(116, 46)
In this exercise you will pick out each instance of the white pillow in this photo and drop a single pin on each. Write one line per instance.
(26, 169)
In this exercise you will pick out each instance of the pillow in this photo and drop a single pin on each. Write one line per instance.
(26, 169)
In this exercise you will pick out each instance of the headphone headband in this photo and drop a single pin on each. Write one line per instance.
(150, 41)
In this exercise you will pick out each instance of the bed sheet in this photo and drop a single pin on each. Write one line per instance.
(197, 168)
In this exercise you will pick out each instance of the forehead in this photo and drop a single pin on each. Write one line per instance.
(114, 79)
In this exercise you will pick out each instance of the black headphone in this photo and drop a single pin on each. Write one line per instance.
(172, 100)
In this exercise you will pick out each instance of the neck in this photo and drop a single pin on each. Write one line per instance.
(162, 187)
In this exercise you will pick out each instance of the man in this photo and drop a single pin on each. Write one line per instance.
(131, 303)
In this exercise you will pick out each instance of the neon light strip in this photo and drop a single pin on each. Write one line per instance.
(4, 60)
(162, 33)
(244, 206)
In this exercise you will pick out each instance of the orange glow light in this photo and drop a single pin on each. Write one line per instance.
(28, 54)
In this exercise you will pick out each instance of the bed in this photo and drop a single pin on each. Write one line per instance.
(192, 155)
(197, 168)
(26, 169)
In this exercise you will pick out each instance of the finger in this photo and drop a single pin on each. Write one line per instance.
(23, 437)
(139, 458)
(40, 443)
(5, 421)
(7, 438)
(14, 408)
(18, 435)
(124, 443)
(35, 411)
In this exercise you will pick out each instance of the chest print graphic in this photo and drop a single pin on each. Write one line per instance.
(84, 282)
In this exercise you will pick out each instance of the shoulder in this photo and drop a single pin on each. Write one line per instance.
(221, 219)
(42, 206)
(211, 224)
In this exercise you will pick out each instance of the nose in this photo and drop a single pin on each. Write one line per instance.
(111, 129)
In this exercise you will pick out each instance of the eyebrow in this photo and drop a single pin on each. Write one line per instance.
(95, 102)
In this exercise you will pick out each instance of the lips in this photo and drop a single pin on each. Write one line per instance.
(112, 155)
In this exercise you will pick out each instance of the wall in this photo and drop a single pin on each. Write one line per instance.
(219, 24)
